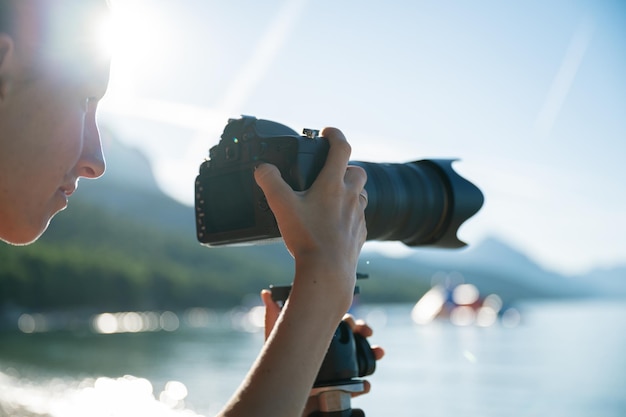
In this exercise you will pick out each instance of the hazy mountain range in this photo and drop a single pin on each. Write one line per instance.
(129, 190)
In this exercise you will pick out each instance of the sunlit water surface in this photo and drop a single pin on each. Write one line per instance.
(562, 359)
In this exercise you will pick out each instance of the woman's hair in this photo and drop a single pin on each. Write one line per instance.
(6, 13)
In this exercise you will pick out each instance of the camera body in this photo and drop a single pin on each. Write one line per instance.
(230, 206)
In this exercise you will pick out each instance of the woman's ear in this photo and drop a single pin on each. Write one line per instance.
(6, 49)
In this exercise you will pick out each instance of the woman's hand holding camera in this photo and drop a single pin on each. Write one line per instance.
(324, 226)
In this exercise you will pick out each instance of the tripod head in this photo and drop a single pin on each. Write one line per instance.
(348, 358)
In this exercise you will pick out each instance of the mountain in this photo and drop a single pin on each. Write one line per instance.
(610, 281)
(495, 267)
(492, 265)
(128, 189)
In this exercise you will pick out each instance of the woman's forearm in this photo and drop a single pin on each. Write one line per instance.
(290, 360)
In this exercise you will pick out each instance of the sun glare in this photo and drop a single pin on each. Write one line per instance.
(104, 35)
(132, 35)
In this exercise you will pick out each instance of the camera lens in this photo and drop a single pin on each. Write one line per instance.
(420, 203)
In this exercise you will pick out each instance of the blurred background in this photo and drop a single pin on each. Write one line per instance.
(119, 306)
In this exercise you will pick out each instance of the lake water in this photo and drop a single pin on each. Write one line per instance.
(562, 359)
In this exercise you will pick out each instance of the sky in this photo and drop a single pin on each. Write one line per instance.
(529, 96)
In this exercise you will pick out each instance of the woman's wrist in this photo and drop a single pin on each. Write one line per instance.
(330, 284)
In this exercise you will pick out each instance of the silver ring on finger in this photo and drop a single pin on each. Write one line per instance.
(363, 196)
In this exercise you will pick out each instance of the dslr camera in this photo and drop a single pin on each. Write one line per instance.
(420, 203)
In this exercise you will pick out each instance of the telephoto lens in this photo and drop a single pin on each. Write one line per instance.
(421, 203)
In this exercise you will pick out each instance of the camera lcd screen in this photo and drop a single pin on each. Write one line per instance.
(229, 202)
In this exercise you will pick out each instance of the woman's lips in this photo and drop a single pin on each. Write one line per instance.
(64, 193)
(68, 190)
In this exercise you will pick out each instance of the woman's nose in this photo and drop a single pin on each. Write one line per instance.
(91, 163)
